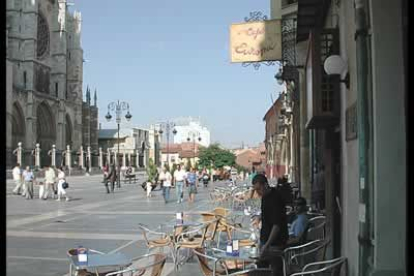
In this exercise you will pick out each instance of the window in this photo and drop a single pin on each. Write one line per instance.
(57, 90)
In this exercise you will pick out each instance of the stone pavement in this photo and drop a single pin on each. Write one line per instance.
(40, 232)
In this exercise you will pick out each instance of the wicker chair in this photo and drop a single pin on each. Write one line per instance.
(146, 265)
(209, 265)
(191, 238)
(154, 239)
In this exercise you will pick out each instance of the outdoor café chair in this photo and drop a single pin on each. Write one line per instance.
(209, 265)
(146, 265)
(295, 258)
(316, 230)
(325, 268)
(154, 239)
(192, 237)
(74, 252)
(253, 272)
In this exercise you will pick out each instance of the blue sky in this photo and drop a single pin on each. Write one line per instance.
(171, 59)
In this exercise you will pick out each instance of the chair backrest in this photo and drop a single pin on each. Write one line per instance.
(148, 265)
(253, 272)
(316, 229)
(192, 233)
(332, 267)
(314, 252)
(221, 211)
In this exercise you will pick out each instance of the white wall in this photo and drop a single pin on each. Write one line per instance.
(184, 132)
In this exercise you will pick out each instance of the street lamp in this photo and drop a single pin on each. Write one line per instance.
(168, 125)
(118, 107)
(194, 142)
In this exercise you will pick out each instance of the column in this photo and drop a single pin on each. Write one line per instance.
(81, 157)
(108, 157)
(144, 158)
(53, 153)
(37, 156)
(18, 153)
(137, 164)
(68, 157)
(100, 158)
(123, 159)
(89, 156)
(129, 159)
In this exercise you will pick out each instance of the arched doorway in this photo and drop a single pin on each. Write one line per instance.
(18, 131)
(46, 132)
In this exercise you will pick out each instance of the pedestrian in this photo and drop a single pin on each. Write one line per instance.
(61, 179)
(17, 177)
(274, 230)
(112, 177)
(166, 179)
(28, 179)
(105, 173)
(179, 177)
(192, 183)
(50, 178)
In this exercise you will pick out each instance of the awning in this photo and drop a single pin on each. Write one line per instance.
(311, 14)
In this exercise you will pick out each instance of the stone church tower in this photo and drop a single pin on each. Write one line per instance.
(44, 77)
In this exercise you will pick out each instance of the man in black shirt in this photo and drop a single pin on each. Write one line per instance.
(274, 230)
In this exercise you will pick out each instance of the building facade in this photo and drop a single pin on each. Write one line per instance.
(44, 81)
(352, 124)
(133, 147)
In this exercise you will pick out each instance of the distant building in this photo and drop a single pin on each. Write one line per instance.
(251, 157)
(184, 154)
(133, 146)
(192, 132)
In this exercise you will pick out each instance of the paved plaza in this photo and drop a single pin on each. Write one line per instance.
(40, 232)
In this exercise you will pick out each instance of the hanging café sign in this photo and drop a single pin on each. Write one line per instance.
(256, 41)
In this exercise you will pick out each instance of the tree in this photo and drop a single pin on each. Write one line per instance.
(152, 171)
(216, 156)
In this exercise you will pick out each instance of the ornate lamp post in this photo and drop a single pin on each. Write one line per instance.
(118, 107)
(168, 125)
(193, 135)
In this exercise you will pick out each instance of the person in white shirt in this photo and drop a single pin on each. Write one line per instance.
(50, 178)
(179, 177)
(28, 179)
(17, 177)
(61, 180)
(166, 179)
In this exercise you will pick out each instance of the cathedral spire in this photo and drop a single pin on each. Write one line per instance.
(95, 98)
(88, 96)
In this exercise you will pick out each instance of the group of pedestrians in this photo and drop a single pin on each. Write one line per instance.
(180, 178)
(54, 183)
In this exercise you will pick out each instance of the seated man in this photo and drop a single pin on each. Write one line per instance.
(300, 223)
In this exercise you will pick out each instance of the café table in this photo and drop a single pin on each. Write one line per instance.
(96, 261)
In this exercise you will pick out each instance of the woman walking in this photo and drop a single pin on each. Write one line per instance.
(61, 179)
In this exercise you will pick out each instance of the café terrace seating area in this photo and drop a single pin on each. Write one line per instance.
(223, 240)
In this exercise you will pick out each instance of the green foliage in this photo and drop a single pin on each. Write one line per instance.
(152, 171)
(216, 157)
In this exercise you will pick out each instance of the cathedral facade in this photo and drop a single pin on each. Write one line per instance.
(44, 80)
